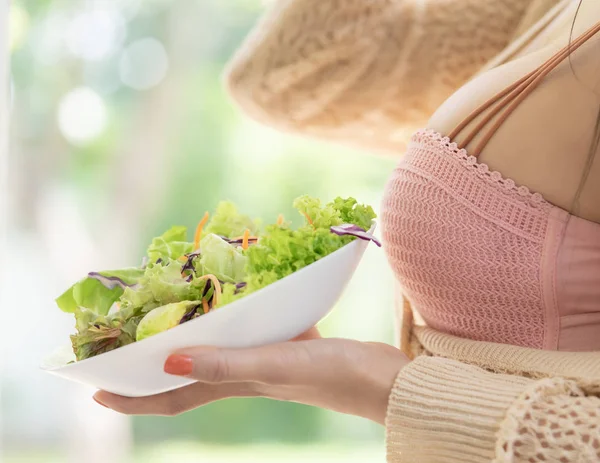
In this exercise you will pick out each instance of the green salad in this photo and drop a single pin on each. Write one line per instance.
(229, 257)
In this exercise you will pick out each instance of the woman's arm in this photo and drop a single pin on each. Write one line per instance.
(367, 72)
(445, 411)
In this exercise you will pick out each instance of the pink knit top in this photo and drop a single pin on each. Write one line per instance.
(481, 258)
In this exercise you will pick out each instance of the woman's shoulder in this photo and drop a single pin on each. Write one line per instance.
(545, 142)
(480, 89)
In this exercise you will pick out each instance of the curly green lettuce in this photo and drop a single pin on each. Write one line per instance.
(98, 334)
(228, 222)
(282, 251)
(170, 245)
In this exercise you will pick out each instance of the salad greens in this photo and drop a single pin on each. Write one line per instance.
(230, 257)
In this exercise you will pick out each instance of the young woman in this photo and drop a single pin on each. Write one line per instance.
(500, 358)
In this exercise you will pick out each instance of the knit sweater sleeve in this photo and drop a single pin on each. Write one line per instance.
(444, 411)
(366, 72)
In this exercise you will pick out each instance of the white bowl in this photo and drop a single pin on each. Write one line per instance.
(276, 313)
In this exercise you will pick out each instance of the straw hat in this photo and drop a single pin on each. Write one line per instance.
(369, 73)
(543, 22)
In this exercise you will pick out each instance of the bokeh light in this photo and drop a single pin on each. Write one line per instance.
(143, 64)
(128, 8)
(19, 26)
(95, 34)
(47, 43)
(81, 116)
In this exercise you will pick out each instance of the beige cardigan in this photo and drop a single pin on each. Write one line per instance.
(478, 402)
(368, 72)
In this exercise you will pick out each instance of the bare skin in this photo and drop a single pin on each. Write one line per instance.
(545, 143)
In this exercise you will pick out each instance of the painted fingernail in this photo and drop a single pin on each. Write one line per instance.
(98, 402)
(180, 365)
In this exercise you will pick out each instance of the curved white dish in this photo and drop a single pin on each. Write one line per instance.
(276, 313)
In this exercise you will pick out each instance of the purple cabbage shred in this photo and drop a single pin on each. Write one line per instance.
(354, 230)
(207, 287)
(110, 282)
(189, 315)
(189, 263)
(252, 240)
(239, 287)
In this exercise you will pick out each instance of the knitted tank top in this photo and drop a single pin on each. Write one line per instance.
(482, 258)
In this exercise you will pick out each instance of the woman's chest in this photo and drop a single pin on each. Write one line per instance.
(481, 258)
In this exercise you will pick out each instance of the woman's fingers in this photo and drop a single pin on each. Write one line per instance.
(274, 364)
(313, 333)
(221, 373)
(173, 402)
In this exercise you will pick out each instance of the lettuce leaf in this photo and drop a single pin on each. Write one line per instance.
(161, 285)
(221, 259)
(170, 245)
(91, 294)
(338, 211)
(317, 215)
(164, 318)
(353, 213)
(98, 334)
(228, 222)
(282, 251)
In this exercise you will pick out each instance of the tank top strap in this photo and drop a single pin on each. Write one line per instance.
(503, 104)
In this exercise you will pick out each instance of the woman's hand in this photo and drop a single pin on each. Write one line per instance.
(338, 374)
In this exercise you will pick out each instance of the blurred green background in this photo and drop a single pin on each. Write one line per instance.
(121, 128)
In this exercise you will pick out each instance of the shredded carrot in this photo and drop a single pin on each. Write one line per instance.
(199, 228)
(280, 220)
(205, 306)
(245, 239)
(217, 288)
(250, 238)
(309, 219)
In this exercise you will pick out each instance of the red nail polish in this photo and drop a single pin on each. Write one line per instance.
(98, 402)
(179, 365)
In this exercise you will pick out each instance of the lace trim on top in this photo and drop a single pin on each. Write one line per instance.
(502, 202)
(483, 171)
